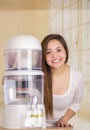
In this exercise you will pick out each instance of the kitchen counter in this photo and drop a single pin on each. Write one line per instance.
(51, 128)
(77, 122)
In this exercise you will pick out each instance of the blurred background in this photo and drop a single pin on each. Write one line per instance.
(70, 18)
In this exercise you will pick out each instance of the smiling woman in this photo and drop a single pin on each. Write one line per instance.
(64, 86)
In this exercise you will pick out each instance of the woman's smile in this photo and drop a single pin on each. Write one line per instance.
(56, 60)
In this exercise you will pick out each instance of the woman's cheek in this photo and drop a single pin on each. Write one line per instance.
(48, 60)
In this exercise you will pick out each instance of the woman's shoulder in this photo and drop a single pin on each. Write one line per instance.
(77, 73)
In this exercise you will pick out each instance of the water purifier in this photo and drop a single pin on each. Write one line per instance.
(24, 84)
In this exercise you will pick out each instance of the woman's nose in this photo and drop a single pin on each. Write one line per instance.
(54, 54)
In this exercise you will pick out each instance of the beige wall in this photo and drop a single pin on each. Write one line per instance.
(21, 18)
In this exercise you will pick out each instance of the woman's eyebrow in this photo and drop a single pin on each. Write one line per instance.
(58, 48)
(48, 49)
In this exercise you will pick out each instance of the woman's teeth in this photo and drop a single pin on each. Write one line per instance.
(56, 60)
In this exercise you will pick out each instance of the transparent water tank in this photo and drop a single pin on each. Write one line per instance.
(23, 52)
(19, 87)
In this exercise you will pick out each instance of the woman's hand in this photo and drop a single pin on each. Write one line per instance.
(63, 123)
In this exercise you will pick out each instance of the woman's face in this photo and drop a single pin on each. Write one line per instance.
(55, 54)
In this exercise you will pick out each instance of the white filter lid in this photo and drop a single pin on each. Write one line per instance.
(24, 42)
(22, 72)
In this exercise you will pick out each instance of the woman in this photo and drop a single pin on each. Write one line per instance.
(64, 86)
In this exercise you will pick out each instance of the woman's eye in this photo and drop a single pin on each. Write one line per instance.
(58, 50)
(48, 52)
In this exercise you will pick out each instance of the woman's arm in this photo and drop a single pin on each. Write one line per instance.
(75, 105)
(63, 122)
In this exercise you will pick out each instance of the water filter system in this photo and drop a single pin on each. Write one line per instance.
(24, 84)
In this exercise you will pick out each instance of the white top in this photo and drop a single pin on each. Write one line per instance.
(71, 99)
(23, 42)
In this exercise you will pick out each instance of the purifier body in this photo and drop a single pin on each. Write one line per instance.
(23, 80)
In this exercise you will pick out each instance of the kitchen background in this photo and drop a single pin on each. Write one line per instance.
(70, 18)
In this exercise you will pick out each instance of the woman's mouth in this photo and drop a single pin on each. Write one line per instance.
(56, 60)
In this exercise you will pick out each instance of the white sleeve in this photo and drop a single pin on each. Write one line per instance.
(79, 93)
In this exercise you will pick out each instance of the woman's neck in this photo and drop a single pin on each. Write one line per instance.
(61, 70)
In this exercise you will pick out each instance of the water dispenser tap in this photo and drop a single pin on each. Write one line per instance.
(34, 102)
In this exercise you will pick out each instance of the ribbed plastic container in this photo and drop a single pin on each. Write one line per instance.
(19, 86)
(23, 52)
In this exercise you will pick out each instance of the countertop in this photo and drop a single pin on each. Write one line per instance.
(50, 128)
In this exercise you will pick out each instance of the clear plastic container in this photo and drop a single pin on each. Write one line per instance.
(18, 87)
(23, 59)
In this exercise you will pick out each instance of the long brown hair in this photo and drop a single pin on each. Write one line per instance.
(48, 93)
